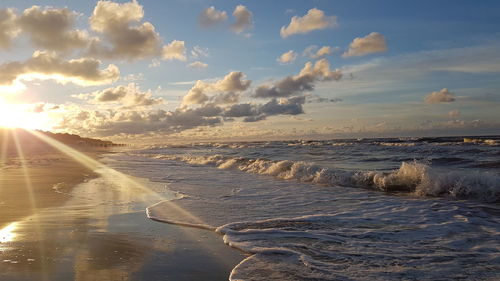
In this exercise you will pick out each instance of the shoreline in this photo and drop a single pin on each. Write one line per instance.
(97, 228)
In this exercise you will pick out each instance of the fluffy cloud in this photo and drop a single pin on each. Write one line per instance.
(444, 95)
(210, 16)
(198, 64)
(174, 50)
(287, 57)
(371, 43)
(232, 82)
(315, 19)
(128, 96)
(126, 37)
(243, 19)
(8, 27)
(45, 65)
(52, 28)
(114, 122)
(304, 81)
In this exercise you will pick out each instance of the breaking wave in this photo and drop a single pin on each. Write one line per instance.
(412, 177)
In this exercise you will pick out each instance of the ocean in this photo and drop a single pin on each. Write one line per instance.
(354, 209)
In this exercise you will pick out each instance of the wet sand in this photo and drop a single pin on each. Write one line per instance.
(98, 230)
(45, 170)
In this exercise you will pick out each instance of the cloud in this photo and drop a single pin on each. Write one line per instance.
(243, 19)
(444, 95)
(53, 29)
(241, 110)
(8, 27)
(198, 52)
(46, 65)
(314, 53)
(304, 81)
(454, 113)
(125, 36)
(232, 82)
(315, 19)
(225, 98)
(318, 99)
(258, 112)
(371, 43)
(128, 96)
(174, 50)
(289, 106)
(210, 16)
(287, 57)
(114, 122)
(198, 64)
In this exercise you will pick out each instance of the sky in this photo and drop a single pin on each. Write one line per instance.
(192, 70)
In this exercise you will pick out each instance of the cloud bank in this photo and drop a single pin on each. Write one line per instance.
(47, 65)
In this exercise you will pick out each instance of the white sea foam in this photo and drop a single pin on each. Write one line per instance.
(482, 141)
(396, 143)
(414, 177)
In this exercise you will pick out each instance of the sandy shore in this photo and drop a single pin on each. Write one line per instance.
(45, 171)
(94, 227)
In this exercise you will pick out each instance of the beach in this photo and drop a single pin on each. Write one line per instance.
(45, 171)
(92, 225)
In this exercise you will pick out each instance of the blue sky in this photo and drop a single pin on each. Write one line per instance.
(451, 48)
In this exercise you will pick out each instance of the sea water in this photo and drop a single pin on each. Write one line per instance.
(361, 209)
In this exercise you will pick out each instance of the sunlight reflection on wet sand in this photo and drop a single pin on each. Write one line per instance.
(102, 233)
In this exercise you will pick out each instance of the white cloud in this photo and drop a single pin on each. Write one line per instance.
(128, 96)
(444, 95)
(125, 36)
(243, 18)
(210, 16)
(53, 28)
(8, 27)
(287, 57)
(198, 64)
(324, 51)
(371, 43)
(174, 50)
(315, 19)
(45, 65)
(232, 82)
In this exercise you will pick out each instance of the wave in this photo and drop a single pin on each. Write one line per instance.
(482, 141)
(412, 177)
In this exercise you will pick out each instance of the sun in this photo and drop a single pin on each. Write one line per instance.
(20, 116)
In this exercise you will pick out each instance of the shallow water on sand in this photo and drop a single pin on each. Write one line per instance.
(102, 233)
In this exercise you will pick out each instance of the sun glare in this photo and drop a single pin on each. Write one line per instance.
(19, 116)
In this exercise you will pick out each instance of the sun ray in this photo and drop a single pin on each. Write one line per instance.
(29, 188)
(3, 152)
(128, 182)
(95, 165)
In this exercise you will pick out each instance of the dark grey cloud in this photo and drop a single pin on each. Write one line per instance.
(304, 81)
